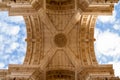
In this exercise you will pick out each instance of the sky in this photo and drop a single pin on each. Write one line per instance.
(107, 44)
(12, 40)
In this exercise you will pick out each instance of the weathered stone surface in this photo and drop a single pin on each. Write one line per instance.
(60, 40)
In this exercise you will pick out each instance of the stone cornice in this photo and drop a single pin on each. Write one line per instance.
(30, 7)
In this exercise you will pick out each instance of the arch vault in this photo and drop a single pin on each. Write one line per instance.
(60, 40)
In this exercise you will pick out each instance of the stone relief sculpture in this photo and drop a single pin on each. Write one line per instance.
(60, 40)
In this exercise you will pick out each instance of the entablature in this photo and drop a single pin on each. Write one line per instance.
(98, 7)
(29, 7)
(20, 71)
(89, 72)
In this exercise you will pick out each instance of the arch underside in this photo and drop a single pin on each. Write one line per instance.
(60, 39)
(75, 56)
(79, 31)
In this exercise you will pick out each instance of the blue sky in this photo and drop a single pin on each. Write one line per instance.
(107, 44)
(12, 40)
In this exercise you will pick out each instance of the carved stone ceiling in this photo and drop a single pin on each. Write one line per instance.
(59, 1)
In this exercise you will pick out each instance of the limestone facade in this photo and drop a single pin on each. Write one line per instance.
(60, 40)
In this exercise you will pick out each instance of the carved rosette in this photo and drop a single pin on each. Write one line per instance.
(60, 40)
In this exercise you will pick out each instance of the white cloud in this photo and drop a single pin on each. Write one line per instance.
(2, 65)
(107, 43)
(14, 59)
(14, 30)
(107, 18)
(116, 26)
(12, 45)
(9, 29)
(16, 19)
(116, 67)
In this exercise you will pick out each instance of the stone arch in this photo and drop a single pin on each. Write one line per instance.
(75, 20)
(34, 40)
(35, 35)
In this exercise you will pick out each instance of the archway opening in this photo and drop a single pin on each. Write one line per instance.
(12, 39)
(107, 34)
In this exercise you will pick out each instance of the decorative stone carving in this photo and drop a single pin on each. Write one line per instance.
(60, 74)
(60, 39)
(60, 4)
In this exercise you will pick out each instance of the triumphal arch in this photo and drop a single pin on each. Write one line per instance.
(60, 40)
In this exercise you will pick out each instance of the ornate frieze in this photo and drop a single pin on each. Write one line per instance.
(60, 39)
